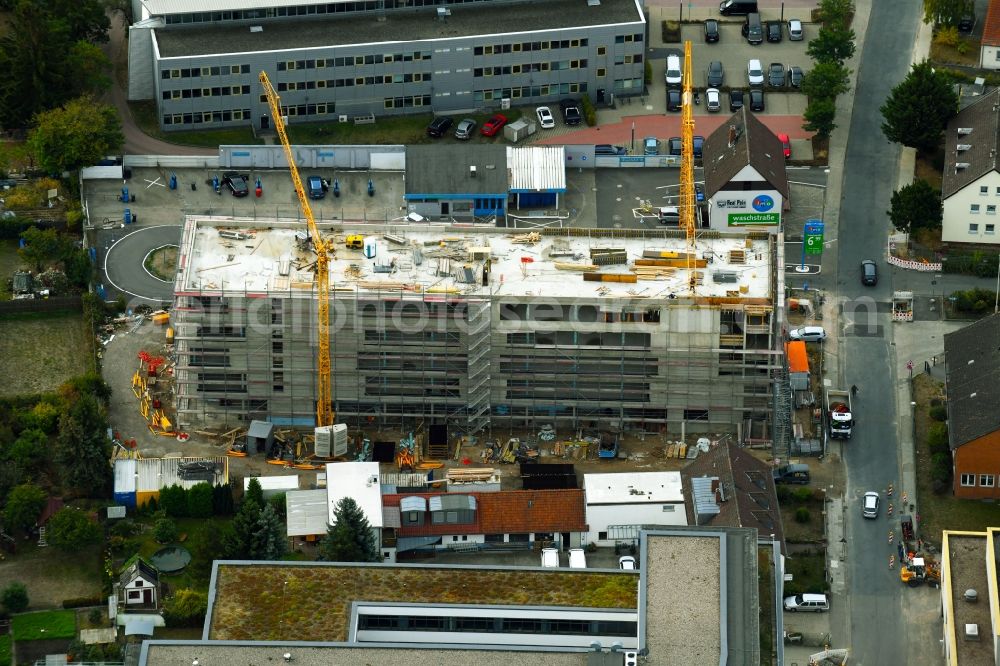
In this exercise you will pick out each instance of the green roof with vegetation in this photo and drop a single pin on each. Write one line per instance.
(269, 602)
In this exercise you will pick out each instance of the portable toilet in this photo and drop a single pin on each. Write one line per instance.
(371, 244)
(170, 335)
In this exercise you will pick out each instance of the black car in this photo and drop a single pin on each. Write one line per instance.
(735, 100)
(570, 111)
(674, 146)
(774, 31)
(715, 74)
(795, 76)
(756, 99)
(236, 182)
(673, 100)
(711, 31)
(439, 126)
(869, 273)
(697, 145)
(776, 75)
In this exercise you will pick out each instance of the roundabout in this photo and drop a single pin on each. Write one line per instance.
(124, 264)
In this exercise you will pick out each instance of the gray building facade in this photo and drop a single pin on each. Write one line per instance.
(340, 61)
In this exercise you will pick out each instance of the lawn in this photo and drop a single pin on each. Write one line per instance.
(44, 625)
(312, 603)
(191, 527)
(939, 512)
(808, 570)
(5, 645)
(58, 350)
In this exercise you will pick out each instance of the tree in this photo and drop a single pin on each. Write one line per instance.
(947, 12)
(78, 267)
(239, 542)
(41, 246)
(222, 500)
(82, 20)
(835, 12)
(91, 67)
(208, 546)
(269, 541)
(14, 598)
(826, 79)
(919, 108)
(199, 500)
(33, 59)
(350, 538)
(24, 506)
(70, 529)
(165, 531)
(83, 449)
(28, 451)
(173, 500)
(819, 116)
(186, 608)
(915, 206)
(833, 43)
(80, 132)
(254, 493)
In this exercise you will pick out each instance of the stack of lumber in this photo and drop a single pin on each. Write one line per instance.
(527, 239)
(677, 450)
(470, 474)
(653, 272)
(569, 266)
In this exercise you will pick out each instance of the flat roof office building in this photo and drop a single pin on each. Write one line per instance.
(336, 61)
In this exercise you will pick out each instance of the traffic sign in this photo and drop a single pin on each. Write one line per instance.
(812, 239)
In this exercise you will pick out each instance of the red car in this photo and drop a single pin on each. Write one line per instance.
(786, 146)
(494, 124)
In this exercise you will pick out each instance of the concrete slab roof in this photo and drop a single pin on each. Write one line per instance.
(423, 259)
(963, 568)
(359, 481)
(468, 20)
(633, 488)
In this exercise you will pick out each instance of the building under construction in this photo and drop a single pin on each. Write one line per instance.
(578, 328)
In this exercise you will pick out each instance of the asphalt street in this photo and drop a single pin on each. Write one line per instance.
(865, 352)
(122, 254)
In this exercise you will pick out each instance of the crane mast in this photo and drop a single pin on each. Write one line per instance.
(324, 403)
(687, 205)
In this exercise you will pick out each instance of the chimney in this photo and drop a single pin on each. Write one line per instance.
(732, 135)
(472, 171)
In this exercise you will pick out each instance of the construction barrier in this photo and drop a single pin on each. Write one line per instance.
(891, 536)
(892, 561)
(924, 266)
(890, 509)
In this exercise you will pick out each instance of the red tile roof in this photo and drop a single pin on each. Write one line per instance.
(991, 29)
(509, 512)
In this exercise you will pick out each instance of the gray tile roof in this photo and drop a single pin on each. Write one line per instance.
(755, 145)
(973, 356)
(444, 169)
(983, 118)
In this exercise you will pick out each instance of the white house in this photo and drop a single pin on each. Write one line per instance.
(360, 481)
(745, 180)
(618, 505)
(989, 50)
(970, 186)
(139, 585)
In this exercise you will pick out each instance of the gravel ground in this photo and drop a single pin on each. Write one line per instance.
(682, 599)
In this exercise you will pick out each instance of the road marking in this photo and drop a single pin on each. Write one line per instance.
(811, 269)
(153, 182)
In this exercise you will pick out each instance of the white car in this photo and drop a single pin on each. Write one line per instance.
(795, 30)
(545, 118)
(712, 100)
(808, 334)
(755, 73)
(869, 506)
(673, 74)
(626, 563)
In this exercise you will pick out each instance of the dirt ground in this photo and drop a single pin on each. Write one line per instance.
(51, 575)
(39, 354)
(28, 652)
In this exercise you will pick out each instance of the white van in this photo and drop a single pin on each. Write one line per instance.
(807, 602)
(669, 215)
(550, 558)
(577, 559)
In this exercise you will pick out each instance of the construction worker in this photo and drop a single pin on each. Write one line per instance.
(854, 389)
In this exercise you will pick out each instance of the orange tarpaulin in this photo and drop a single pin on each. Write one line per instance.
(798, 361)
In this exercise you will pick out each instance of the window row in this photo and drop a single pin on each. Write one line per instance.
(530, 67)
(406, 102)
(352, 61)
(529, 91)
(988, 229)
(192, 72)
(985, 480)
(497, 49)
(984, 189)
(200, 118)
(506, 625)
(975, 209)
(217, 91)
(271, 12)
(353, 81)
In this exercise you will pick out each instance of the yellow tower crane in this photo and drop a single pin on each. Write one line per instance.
(324, 405)
(688, 205)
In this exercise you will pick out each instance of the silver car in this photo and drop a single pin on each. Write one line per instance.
(465, 129)
(795, 30)
(712, 100)
(869, 505)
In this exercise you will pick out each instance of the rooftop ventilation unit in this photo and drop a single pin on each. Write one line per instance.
(443, 13)
(961, 165)
(256, 28)
(972, 632)
(962, 131)
(970, 595)
(962, 147)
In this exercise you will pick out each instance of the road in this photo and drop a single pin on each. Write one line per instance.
(866, 355)
(122, 254)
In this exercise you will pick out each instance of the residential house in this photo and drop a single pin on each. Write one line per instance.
(970, 185)
(989, 49)
(511, 517)
(619, 505)
(973, 358)
(745, 180)
(729, 487)
(138, 586)
(359, 481)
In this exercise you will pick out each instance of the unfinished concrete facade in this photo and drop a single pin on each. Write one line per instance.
(578, 328)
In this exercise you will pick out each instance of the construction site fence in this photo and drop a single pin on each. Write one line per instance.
(268, 213)
(46, 305)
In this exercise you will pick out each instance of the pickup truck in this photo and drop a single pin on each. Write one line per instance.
(571, 112)
(839, 417)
